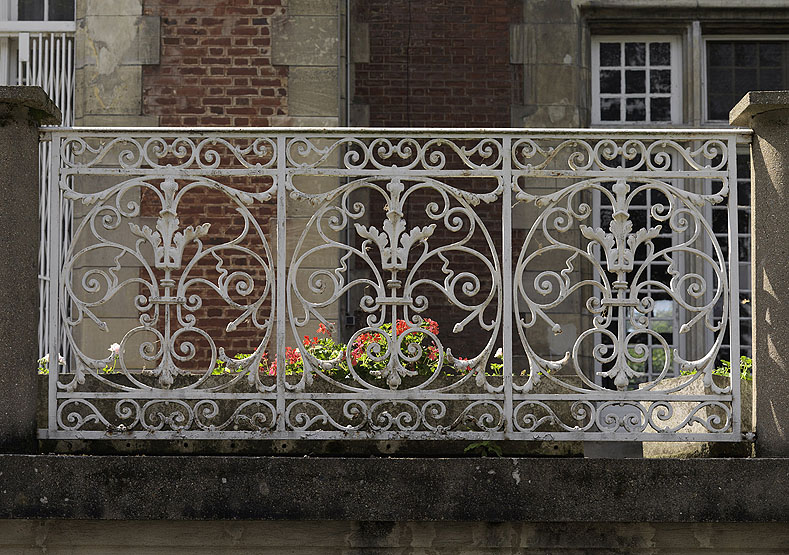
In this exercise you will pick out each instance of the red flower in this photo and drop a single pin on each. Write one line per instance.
(292, 355)
(431, 326)
(323, 329)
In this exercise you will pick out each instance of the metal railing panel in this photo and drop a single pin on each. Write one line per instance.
(392, 283)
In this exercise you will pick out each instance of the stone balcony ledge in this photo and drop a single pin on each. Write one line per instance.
(393, 489)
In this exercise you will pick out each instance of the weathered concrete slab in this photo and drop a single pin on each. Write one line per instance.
(394, 489)
(57, 537)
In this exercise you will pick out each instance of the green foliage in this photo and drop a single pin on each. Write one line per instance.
(746, 369)
(484, 449)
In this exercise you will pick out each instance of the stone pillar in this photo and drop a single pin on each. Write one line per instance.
(767, 113)
(22, 111)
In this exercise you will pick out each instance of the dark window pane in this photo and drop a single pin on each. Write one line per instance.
(660, 54)
(609, 109)
(610, 54)
(661, 243)
(770, 54)
(720, 220)
(61, 10)
(657, 196)
(635, 109)
(720, 54)
(639, 219)
(745, 54)
(744, 244)
(720, 79)
(744, 222)
(718, 106)
(610, 81)
(744, 81)
(635, 81)
(605, 217)
(660, 273)
(31, 10)
(743, 181)
(771, 79)
(744, 189)
(633, 162)
(743, 165)
(635, 53)
(660, 81)
(660, 109)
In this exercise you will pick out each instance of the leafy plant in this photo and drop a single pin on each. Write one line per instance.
(746, 369)
(484, 449)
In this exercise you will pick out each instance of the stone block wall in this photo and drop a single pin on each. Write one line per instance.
(114, 41)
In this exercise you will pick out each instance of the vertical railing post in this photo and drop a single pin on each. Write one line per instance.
(767, 113)
(281, 279)
(507, 280)
(22, 111)
(734, 286)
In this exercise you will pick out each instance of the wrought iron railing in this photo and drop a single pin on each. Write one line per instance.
(376, 283)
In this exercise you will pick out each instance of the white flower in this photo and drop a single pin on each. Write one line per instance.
(45, 359)
(499, 353)
(115, 349)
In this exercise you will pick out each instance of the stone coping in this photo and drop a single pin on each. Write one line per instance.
(41, 107)
(755, 103)
(393, 489)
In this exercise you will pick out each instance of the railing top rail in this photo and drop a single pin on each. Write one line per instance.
(33, 27)
(681, 133)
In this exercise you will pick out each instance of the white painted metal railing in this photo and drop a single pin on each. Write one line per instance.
(490, 306)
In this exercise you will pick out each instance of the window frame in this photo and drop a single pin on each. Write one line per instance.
(676, 79)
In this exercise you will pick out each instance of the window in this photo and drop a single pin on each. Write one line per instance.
(45, 10)
(635, 80)
(736, 66)
(720, 226)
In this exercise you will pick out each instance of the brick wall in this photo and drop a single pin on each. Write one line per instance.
(441, 63)
(215, 64)
(215, 70)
